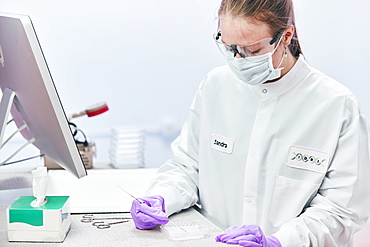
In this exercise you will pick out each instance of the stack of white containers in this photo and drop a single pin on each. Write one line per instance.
(127, 147)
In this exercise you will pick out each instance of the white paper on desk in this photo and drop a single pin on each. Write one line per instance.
(98, 192)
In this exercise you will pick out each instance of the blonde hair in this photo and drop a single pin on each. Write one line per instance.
(277, 14)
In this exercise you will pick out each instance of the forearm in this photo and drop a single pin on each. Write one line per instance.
(175, 186)
(322, 224)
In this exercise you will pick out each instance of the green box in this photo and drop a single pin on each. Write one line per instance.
(48, 223)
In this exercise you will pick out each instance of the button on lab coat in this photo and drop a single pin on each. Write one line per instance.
(290, 156)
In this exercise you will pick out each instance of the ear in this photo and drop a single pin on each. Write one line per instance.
(288, 35)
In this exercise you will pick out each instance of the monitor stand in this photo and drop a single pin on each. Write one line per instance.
(5, 106)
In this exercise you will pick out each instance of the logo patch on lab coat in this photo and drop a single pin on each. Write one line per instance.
(308, 159)
(222, 144)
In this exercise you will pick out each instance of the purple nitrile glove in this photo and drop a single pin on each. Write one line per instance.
(149, 212)
(248, 236)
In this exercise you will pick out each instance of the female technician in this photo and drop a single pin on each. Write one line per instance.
(272, 148)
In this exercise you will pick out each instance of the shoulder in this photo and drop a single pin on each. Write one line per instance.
(220, 73)
(328, 89)
(220, 77)
(325, 85)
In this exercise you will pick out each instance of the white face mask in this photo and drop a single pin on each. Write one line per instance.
(255, 70)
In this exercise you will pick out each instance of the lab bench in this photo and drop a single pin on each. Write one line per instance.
(20, 183)
(124, 234)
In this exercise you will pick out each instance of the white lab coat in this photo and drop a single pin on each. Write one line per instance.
(290, 156)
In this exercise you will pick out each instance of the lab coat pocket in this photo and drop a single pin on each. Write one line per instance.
(289, 199)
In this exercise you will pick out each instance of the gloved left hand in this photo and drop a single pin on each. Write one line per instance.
(248, 235)
(149, 212)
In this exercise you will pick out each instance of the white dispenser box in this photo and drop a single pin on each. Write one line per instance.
(48, 223)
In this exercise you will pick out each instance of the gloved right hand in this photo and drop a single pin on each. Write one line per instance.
(149, 212)
(248, 236)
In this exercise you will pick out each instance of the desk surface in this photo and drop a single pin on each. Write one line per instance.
(84, 234)
(21, 183)
(98, 192)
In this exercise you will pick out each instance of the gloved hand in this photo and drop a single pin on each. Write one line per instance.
(248, 235)
(149, 212)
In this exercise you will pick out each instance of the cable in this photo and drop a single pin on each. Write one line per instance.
(74, 130)
(22, 160)
(74, 133)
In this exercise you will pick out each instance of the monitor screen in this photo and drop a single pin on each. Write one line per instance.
(36, 104)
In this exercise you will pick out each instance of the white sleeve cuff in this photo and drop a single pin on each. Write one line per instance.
(173, 200)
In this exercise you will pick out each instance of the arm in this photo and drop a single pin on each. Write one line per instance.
(342, 204)
(177, 180)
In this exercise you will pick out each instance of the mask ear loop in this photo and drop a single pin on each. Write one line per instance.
(285, 54)
(281, 38)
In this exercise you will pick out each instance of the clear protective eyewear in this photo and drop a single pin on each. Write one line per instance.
(257, 48)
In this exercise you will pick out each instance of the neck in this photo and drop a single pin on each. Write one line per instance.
(288, 63)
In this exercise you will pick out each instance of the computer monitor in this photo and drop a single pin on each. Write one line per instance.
(30, 96)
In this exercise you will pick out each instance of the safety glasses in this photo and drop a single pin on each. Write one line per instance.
(257, 48)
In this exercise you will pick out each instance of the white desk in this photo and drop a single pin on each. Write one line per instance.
(84, 234)
(99, 191)
(105, 238)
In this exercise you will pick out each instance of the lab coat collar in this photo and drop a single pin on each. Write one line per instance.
(284, 84)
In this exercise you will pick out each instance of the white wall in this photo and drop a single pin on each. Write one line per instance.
(146, 58)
